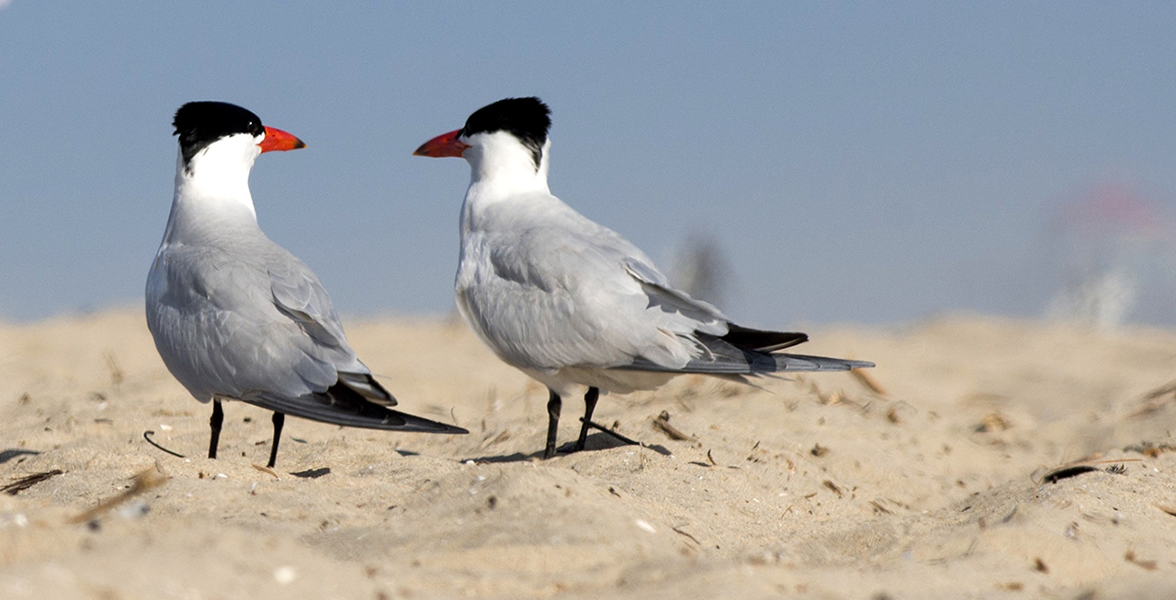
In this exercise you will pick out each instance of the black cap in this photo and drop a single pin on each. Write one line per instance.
(528, 119)
(201, 123)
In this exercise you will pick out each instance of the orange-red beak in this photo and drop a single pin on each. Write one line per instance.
(276, 139)
(443, 145)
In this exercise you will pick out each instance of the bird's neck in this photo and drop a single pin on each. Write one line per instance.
(502, 169)
(211, 192)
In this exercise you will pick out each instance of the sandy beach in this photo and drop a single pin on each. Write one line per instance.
(944, 483)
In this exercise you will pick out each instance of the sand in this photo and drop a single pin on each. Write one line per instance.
(815, 487)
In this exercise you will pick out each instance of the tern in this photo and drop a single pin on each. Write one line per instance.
(237, 317)
(570, 302)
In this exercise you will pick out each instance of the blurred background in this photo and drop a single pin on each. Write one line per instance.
(797, 162)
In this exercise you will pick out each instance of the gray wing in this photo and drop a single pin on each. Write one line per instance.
(553, 290)
(253, 323)
(298, 294)
(547, 288)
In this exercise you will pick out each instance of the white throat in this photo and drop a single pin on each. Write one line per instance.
(217, 178)
(501, 168)
(212, 192)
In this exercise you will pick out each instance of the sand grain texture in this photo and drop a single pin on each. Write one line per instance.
(811, 488)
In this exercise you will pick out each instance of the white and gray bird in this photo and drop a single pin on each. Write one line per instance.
(237, 317)
(572, 303)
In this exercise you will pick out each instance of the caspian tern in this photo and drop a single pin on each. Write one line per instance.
(572, 303)
(237, 317)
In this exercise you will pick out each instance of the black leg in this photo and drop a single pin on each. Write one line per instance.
(589, 405)
(553, 406)
(279, 420)
(218, 417)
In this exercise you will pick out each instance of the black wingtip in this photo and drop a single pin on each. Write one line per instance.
(746, 338)
(343, 405)
(417, 424)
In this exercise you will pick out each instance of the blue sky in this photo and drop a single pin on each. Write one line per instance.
(865, 162)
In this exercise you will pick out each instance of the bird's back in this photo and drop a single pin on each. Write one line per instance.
(214, 308)
(546, 288)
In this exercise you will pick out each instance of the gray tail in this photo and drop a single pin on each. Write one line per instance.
(804, 362)
(745, 351)
(731, 356)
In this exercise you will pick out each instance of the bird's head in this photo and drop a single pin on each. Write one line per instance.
(498, 133)
(219, 132)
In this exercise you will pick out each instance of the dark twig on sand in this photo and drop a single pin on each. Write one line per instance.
(147, 436)
(1080, 467)
(662, 423)
(25, 483)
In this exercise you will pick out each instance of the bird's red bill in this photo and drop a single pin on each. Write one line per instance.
(276, 139)
(443, 145)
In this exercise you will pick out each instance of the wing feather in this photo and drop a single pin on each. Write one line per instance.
(548, 289)
(258, 327)
(342, 405)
